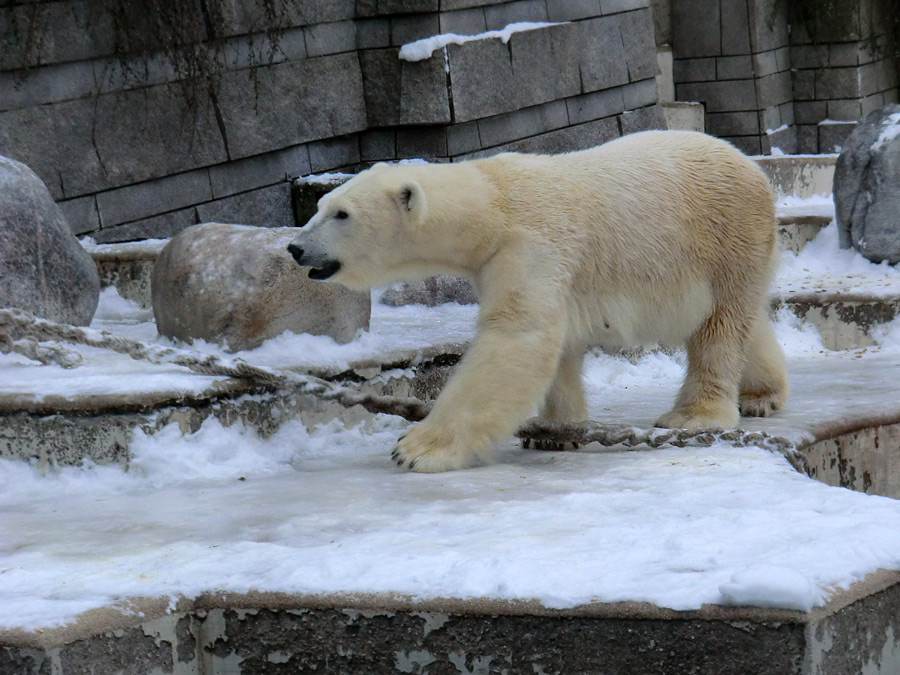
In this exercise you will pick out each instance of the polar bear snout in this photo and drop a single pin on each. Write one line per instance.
(321, 268)
(296, 252)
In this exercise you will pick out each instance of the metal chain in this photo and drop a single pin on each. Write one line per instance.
(35, 338)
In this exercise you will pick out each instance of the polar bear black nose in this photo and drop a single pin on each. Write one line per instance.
(296, 251)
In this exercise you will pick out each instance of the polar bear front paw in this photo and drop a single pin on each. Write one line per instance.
(421, 450)
(723, 417)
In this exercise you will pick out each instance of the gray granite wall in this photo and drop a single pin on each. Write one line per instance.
(769, 79)
(132, 149)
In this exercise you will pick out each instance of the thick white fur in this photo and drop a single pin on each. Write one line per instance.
(658, 237)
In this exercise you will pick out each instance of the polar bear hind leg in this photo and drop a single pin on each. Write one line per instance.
(708, 397)
(565, 399)
(764, 385)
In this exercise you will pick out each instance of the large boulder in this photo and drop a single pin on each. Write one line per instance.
(43, 268)
(867, 187)
(432, 291)
(237, 286)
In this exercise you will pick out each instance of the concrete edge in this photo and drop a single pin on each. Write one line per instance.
(133, 612)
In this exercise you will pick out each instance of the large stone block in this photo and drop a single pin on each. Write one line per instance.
(258, 171)
(291, 103)
(382, 77)
(266, 207)
(500, 14)
(81, 214)
(424, 98)
(696, 29)
(604, 62)
(545, 64)
(639, 94)
(694, 70)
(43, 268)
(595, 105)
(735, 30)
(239, 286)
(738, 67)
(838, 83)
(773, 90)
(156, 227)
(640, 46)
(51, 84)
(572, 10)
(522, 123)
(768, 25)
(56, 142)
(330, 38)
(463, 21)
(732, 124)
(725, 96)
(482, 79)
(867, 187)
(177, 127)
(35, 33)
(489, 78)
(333, 153)
(642, 119)
(149, 198)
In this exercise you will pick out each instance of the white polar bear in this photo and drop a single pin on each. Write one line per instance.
(660, 237)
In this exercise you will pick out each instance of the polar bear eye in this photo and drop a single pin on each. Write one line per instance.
(342, 215)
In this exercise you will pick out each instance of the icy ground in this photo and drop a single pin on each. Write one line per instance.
(327, 512)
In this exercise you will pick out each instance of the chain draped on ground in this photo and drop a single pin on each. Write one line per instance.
(39, 339)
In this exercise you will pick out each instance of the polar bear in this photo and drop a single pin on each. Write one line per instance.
(660, 237)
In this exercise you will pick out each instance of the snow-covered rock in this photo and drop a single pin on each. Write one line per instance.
(237, 286)
(867, 187)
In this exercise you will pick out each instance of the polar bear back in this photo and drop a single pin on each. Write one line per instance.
(655, 228)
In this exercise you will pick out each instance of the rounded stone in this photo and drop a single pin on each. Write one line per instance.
(867, 187)
(238, 286)
(43, 268)
(432, 291)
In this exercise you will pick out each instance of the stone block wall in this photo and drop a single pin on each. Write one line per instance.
(131, 148)
(843, 69)
(769, 79)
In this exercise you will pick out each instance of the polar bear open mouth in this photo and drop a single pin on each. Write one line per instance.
(329, 269)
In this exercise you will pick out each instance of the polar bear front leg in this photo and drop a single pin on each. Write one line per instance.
(499, 382)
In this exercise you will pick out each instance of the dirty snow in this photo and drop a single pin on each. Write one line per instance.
(326, 511)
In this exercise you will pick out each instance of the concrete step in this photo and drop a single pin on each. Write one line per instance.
(219, 634)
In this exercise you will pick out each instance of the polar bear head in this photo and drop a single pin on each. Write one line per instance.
(368, 231)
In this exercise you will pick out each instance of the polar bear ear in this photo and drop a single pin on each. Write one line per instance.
(411, 198)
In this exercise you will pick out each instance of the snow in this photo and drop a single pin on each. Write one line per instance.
(891, 130)
(325, 511)
(424, 48)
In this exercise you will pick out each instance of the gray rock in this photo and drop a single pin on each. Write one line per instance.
(431, 292)
(43, 268)
(238, 286)
(867, 187)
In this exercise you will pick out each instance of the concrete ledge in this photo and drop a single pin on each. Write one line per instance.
(258, 632)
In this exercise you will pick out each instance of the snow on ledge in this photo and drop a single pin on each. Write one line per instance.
(424, 48)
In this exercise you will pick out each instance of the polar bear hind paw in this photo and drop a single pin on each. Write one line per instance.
(760, 404)
(535, 444)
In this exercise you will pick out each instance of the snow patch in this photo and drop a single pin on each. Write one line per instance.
(424, 48)
(890, 132)
(758, 585)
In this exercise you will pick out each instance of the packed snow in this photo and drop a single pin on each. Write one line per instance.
(424, 48)
(326, 511)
